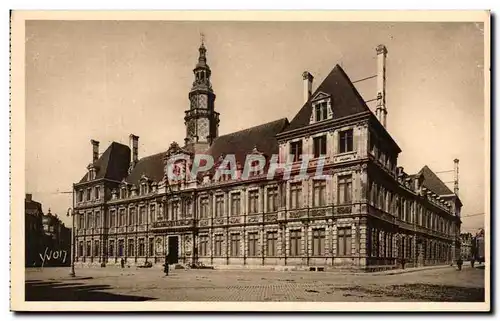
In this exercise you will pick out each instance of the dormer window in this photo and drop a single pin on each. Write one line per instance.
(320, 110)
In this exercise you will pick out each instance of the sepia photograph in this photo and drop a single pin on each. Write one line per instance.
(250, 161)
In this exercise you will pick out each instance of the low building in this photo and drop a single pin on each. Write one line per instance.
(369, 214)
(33, 232)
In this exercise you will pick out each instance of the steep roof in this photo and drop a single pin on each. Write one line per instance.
(113, 163)
(432, 182)
(242, 142)
(345, 99)
(151, 166)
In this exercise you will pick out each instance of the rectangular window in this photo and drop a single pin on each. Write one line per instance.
(345, 189)
(97, 219)
(142, 247)
(89, 193)
(96, 249)
(88, 251)
(344, 241)
(203, 245)
(295, 195)
(81, 221)
(319, 192)
(89, 220)
(321, 111)
(235, 244)
(235, 204)
(272, 199)
(151, 246)
(219, 206)
(253, 243)
(121, 247)
(204, 207)
(296, 150)
(218, 244)
(121, 219)
(80, 248)
(345, 141)
(253, 202)
(111, 251)
(272, 240)
(175, 211)
(142, 215)
(96, 192)
(112, 218)
(152, 213)
(295, 243)
(319, 144)
(318, 246)
(130, 247)
(80, 196)
(131, 216)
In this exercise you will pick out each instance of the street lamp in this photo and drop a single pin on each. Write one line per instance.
(72, 213)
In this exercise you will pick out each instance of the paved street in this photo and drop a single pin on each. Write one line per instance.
(130, 284)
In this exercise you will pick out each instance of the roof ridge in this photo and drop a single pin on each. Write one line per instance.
(255, 127)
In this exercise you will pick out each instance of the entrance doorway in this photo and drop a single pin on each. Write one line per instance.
(173, 249)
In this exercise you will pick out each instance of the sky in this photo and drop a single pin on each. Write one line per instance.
(104, 80)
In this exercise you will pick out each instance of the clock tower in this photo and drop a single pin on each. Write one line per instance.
(201, 120)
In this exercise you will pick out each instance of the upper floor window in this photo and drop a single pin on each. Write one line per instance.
(96, 192)
(253, 201)
(345, 189)
(80, 196)
(272, 199)
(319, 146)
(345, 141)
(219, 206)
(296, 150)
(152, 213)
(235, 204)
(321, 111)
(296, 195)
(204, 207)
(319, 192)
(88, 194)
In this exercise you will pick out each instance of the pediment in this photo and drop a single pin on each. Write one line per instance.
(320, 95)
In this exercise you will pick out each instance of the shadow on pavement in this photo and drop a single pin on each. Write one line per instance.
(58, 291)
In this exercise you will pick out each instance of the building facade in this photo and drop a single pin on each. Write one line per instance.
(33, 232)
(368, 214)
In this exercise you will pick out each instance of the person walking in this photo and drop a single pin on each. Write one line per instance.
(122, 263)
(460, 262)
(165, 266)
(472, 261)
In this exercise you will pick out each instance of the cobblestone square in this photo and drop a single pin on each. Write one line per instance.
(440, 284)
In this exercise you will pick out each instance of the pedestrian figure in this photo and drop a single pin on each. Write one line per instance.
(459, 263)
(403, 261)
(122, 263)
(472, 262)
(165, 266)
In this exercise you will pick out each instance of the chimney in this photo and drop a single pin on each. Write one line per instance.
(134, 146)
(95, 150)
(29, 197)
(308, 83)
(381, 111)
(455, 185)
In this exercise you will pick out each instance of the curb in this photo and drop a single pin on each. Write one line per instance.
(410, 270)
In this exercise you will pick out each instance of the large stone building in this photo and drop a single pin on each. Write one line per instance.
(369, 214)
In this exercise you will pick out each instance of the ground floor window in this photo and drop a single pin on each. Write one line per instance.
(253, 243)
(88, 252)
(203, 245)
(121, 246)
(112, 248)
(130, 248)
(344, 239)
(235, 244)
(318, 245)
(96, 248)
(295, 244)
(142, 247)
(218, 244)
(151, 247)
(272, 240)
(80, 248)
